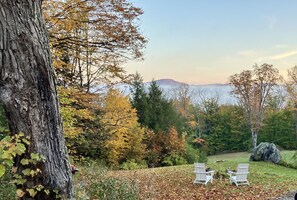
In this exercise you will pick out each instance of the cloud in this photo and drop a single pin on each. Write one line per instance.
(284, 55)
(278, 56)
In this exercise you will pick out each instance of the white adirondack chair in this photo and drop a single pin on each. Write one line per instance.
(202, 176)
(240, 176)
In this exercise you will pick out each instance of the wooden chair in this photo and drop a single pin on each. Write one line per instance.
(240, 176)
(202, 176)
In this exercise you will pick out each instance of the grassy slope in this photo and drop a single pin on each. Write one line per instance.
(266, 180)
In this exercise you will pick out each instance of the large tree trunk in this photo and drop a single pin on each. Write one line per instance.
(28, 92)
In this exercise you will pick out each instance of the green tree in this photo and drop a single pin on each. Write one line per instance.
(80, 113)
(223, 128)
(278, 127)
(161, 113)
(139, 99)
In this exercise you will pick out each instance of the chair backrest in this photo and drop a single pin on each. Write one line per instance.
(200, 171)
(242, 172)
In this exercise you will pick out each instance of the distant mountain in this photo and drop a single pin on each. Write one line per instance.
(168, 82)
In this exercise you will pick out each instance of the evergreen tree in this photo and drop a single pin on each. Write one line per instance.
(279, 128)
(161, 114)
(139, 99)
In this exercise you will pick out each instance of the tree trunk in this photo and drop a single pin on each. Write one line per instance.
(28, 93)
(254, 137)
(295, 110)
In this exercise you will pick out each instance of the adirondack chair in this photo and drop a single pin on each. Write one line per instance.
(240, 176)
(202, 176)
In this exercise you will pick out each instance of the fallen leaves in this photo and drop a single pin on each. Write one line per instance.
(177, 183)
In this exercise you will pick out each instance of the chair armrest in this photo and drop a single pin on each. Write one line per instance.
(230, 172)
(199, 172)
(242, 173)
(210, 172)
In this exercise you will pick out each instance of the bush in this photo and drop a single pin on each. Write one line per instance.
(192, 155)
(92, 182)
(7, 189)
(174, 159)
(132, 165)
(202, 157)
(112, 188)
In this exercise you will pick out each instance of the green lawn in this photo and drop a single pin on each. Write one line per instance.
(244, 156)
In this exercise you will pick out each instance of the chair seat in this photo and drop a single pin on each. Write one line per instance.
(208, 178)
(202, 176)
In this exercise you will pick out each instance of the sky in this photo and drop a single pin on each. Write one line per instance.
(207, 41)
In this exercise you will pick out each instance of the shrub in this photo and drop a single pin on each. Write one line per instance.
(92, 182)
(192, 155)
(202, 157)
(7, 190)
(132, 165)
(173, 159)
(112, 188)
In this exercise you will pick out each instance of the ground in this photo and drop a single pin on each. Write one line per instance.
(267, 180)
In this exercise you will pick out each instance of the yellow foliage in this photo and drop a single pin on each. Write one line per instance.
(121, 126)
(75, 107)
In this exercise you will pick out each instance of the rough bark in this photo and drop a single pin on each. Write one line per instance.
(28, 91)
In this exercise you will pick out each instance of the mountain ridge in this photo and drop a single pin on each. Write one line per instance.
(172, 82)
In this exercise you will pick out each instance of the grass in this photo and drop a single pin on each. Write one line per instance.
(94, 181)
(267, 180)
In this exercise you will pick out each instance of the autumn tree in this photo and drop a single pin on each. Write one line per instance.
(91, 39)
(181, 96)
(81, 112)
(29, 97)
(292, 91)
(252, 88)
(124, 134)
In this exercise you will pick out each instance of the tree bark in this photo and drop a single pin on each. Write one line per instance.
(28, 92)
(254, 137)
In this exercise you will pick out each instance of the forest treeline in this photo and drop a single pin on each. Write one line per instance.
(90, 40)
(147, 129)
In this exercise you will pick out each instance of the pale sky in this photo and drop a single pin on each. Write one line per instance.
(207, 41)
